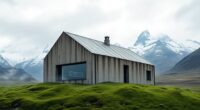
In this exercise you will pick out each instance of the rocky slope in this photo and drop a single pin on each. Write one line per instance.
(189, 64)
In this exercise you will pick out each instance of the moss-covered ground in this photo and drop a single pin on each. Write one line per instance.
(105, 96)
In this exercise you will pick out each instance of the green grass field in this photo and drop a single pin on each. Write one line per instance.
(106, 96)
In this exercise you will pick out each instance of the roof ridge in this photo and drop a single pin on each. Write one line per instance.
(113, 47)
(83, 36)
(99, 41)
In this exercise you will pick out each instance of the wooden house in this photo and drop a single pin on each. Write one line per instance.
(77, 59)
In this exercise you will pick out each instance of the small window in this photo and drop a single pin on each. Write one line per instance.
(148, 74)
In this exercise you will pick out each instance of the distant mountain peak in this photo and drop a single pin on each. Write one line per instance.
(160, 43)
(164, 38)
(4, 63)
(143, 38)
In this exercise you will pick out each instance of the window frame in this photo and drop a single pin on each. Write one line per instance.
(59, 71)
(148, 75)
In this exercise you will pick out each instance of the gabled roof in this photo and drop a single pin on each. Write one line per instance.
(98, 47)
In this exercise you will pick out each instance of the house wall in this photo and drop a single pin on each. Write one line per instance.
(109, 69)
(66, 51)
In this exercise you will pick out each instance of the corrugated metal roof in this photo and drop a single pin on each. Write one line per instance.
(98, 47)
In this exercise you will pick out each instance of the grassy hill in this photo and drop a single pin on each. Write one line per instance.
(106, 96)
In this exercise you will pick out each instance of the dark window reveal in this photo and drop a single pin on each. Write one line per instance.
(148, 74)
(126, 74)
(73, 71)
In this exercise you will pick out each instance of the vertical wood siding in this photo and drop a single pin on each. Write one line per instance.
(66, 51)
(111, 69)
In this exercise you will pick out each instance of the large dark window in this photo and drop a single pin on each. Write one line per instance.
(73, 71)
(148, 74)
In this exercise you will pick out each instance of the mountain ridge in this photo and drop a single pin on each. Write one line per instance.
(11, 74)
(34, 65)
(189, 64)
(4, 63)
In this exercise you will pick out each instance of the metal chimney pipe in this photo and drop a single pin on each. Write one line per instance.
(107, 41)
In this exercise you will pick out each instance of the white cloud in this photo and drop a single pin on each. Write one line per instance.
(27, 24)
(4, 41)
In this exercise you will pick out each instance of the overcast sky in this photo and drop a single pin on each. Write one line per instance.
(27, 26)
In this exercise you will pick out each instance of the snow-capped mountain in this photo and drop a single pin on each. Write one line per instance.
(14, 74)
(34, 66)
(163, 51)
(9, 73)
(4, 63)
